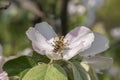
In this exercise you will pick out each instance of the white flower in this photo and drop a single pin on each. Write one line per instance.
(100, 44)
(97, 63)
(93, 3)
(76, 9)
(3, 74)
(1, 58)
(1, 62)
(26, 51)
(46, 42)
(115, 32)
(114, 71)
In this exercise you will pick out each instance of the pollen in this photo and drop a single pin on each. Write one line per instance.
(59, 45)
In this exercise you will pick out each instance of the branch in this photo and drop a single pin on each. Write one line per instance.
(64, 16)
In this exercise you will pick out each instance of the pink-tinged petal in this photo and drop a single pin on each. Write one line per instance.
(39, 43)
(100, 44)
(3, 76)
(46, 30)
(38, 48)
(2, 60)
(76, 33)
(68, 54)
(35, 36)
(1, 63)
(86, 40)
(82, 44)
(99, 63)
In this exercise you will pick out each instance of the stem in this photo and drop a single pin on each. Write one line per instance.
(64, 16)
(51, 61)
(38, 19)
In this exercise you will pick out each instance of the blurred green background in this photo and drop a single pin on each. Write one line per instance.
(102, 16)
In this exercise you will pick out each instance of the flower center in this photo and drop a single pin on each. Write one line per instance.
(59, 44)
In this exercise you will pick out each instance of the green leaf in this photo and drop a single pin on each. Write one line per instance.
(46, 72)
(78, 71)
(17, 65)
(21, 75)
(40, 58)
(69, 72)
(92, 74)
(77, 58)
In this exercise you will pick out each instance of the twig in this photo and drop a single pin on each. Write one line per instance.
(64, 16)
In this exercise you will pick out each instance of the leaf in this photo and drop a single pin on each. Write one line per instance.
(21, 75)
(46, 72)
(76, 58)
(92, 74)
(69, 72)
(40, 58)
(78, 71)
(15, 66)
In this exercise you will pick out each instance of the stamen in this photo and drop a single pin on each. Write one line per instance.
(59, 45)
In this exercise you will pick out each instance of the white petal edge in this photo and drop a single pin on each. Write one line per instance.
(82, 44)
(1, 62)
(100, 44)
(76, 34)
(68, 54)
(39, 43)
(99, 62)
(46, 30)
(3, 76)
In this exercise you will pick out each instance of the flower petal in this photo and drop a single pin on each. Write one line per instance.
(1, 58)
(83, 44)
(1, 62)
(68, 54)
(39, 43)
(76, 33)
(3, 76)
(99, 62)
(46, 30)
(101, 43)
(74, 37)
